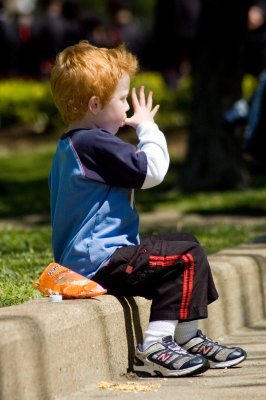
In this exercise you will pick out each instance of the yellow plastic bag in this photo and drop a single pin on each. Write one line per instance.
(57, 279)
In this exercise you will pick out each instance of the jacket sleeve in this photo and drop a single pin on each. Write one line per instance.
(109, 160)
(152, 142)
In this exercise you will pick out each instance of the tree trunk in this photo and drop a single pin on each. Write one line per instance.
(214, 155)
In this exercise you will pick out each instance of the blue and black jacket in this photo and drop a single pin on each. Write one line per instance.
(92, 182)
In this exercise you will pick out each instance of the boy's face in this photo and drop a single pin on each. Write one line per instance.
(113, 115)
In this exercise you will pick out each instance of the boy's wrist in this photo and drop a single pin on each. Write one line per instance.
(145, 124)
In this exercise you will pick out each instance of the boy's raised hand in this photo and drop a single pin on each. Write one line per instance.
(142, 107)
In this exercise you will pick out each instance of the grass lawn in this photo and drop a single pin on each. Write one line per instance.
(24, 254)
(25, 250)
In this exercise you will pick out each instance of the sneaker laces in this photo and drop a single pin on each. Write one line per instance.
(172, 345)
(209, 339)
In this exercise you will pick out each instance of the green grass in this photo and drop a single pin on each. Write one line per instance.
(221, 236)
(23, 256)
(23, 182)
(26, 251)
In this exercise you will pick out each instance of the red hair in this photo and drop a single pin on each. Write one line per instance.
(82, 71)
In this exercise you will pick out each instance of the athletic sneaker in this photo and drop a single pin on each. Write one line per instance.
(219, 356)
(166, 358)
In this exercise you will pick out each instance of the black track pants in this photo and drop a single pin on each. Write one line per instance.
(171, 270)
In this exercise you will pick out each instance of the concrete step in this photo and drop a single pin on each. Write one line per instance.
(52, 350)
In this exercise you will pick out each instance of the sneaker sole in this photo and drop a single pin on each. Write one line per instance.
(226, 364)
(155, 370)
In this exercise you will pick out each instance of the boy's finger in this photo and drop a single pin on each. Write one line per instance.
(134, 98)
(149, 101)
(154, 111)
(142, 100)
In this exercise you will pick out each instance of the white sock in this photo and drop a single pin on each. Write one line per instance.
(157, 330)
(186, 331)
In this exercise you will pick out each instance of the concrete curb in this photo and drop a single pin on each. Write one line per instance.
(50, 350)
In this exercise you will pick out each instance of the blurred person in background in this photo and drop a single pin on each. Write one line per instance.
(250, 113)
(175, 28)
(17, 20)
(255, 134)
(123, 27)
(256, 38)
(34, 31)
(93, 29)
(48, 34)
(9, 42)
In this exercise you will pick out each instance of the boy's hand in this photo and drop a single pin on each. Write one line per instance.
(143, 111)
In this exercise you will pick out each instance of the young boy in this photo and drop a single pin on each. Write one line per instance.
(95, 223)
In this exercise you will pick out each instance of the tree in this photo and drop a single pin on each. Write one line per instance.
(213, 160)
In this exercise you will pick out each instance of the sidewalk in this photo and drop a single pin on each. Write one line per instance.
(246, 382)
(61, 351)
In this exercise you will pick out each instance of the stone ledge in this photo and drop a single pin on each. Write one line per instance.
(50, 350)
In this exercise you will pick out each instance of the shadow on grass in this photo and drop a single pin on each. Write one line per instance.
(237, 211)
(24, 198)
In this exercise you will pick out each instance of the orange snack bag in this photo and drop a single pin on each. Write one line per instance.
(57, 279)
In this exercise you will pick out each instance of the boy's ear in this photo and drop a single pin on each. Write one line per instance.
(94, 105)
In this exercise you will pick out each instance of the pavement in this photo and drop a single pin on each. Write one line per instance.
(246, 381)
(84, 349)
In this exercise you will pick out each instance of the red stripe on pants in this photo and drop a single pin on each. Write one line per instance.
(163, 261)
(188, 279)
